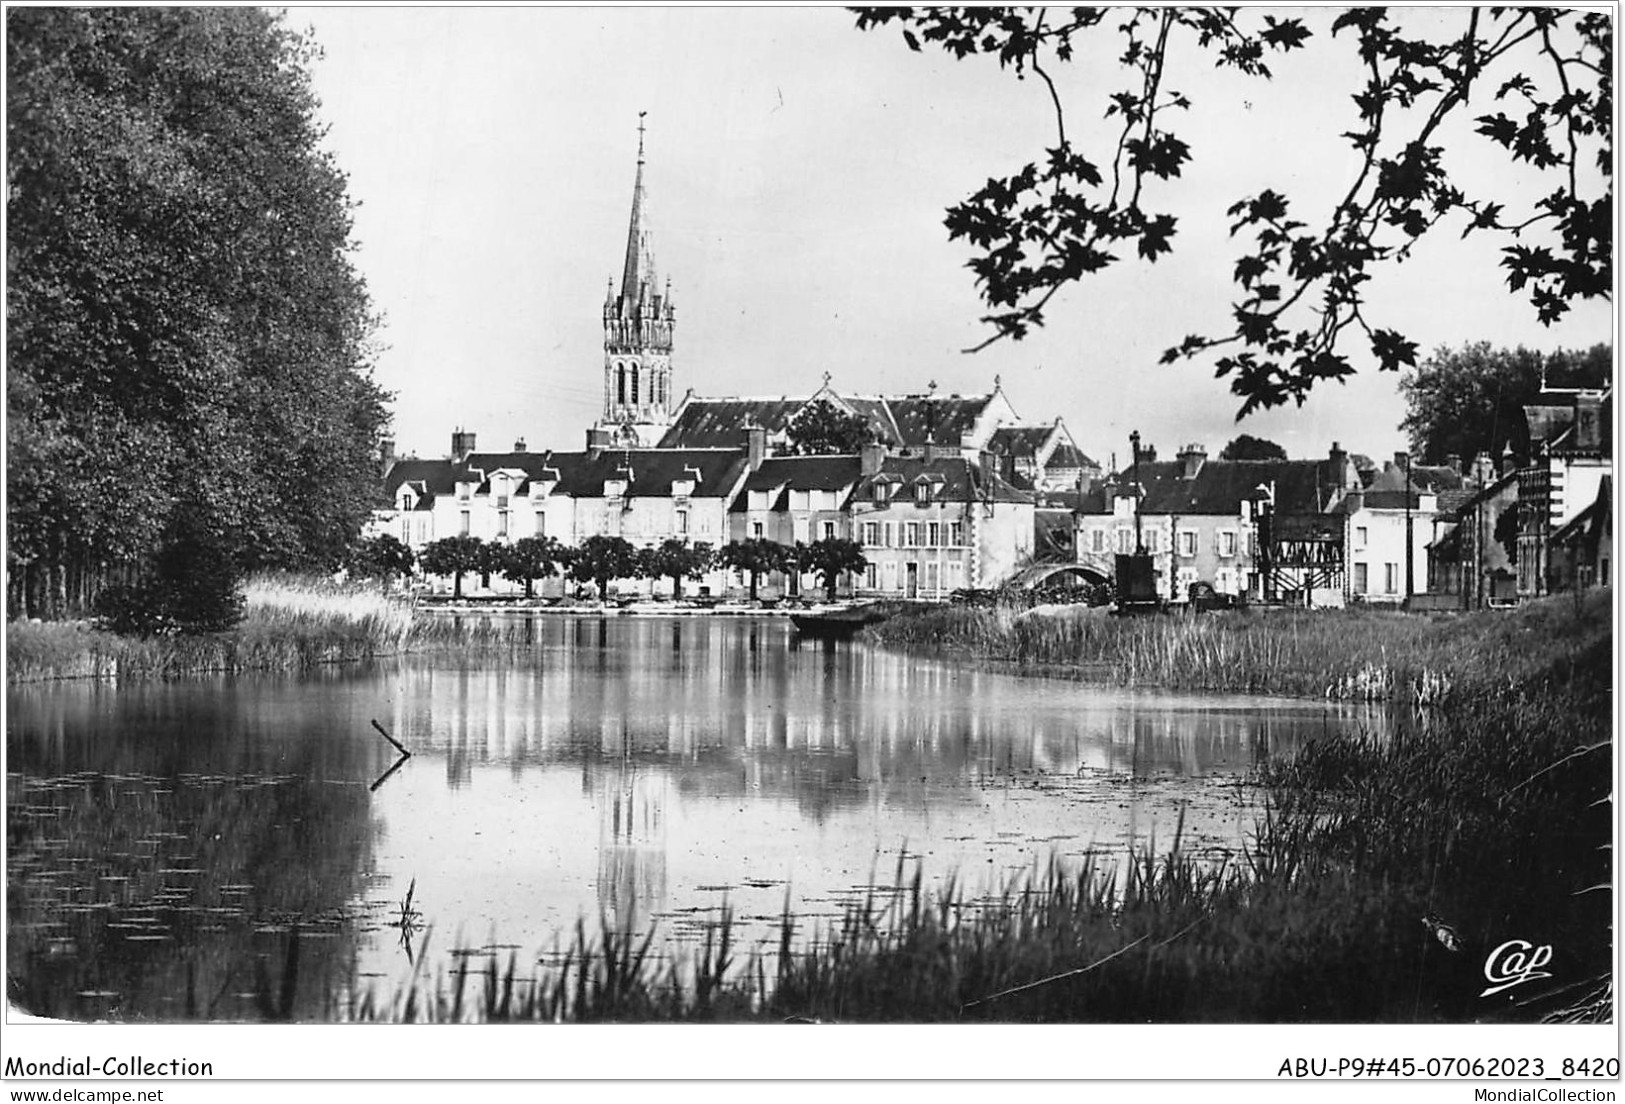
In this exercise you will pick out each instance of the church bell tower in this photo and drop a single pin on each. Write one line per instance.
(638, 324)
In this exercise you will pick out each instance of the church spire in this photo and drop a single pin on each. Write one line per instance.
(638, 325)
(638, 274)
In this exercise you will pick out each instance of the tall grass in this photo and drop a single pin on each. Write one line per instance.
(1340, 654)
(289, 623)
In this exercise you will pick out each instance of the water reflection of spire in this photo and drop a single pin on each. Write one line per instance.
(632, 846)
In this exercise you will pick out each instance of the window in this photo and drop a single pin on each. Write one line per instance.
(502, 523)
(1125, 541)
(933, 534)
(1153, 540)
(1227, 543)
(635, 375)
(829, 530)
(620, 384)
(1360, 536)
(913, 535)
(682, 523)
(956, 533)
(922, 492)
(1097, 540)
(1187, 542)
(541, 523)
(871, 534)
(1361, 582)
(756, 530)
(463, 523)
(871, 577)
(1390, 577)
(933, 578)
(887, 543)
(880, 494)
(1252, 543)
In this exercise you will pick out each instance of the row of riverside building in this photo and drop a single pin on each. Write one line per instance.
(957, 491)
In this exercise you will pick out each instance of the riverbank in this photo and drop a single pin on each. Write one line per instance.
(1381, 877)
(292, 624)
(1354, 654)
(289, 624)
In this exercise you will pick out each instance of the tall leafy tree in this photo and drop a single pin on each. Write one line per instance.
(1469, 401)
(756, 557)
(831, 558)
(677, 560)
(1247, 447)
(187, 335)
(532, 558)
(1535, 83)
(822, 428)
(601, 560)
(382, 557)
(454, 556)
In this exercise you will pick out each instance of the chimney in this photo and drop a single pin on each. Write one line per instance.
(1483, 469)
(1191, 458)
(872, 455)
(462, 443)
(386, 454)
(598, 440)
(1342, 469)
(519, 445)
(755, 445)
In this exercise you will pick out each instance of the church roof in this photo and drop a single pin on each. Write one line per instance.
(1020, 440)
(939, 419)
(720, 423)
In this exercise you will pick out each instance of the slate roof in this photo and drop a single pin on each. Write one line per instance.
(720, 423)
(1019, 440)
(1589, 523)
(806, 473)
(1221, 486)
(956, 480)
(943, 419)
(1509, 480)
(651, 471)
(1065, 456)
(800, 473)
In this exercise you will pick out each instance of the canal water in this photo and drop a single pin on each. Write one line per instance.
(171, 844)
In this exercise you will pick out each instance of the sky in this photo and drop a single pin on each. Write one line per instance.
(798, 171)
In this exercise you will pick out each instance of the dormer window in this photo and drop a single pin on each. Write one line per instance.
(922, 492)
(614, 488)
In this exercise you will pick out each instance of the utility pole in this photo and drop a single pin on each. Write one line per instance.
(1139, 543)
(1410, 541)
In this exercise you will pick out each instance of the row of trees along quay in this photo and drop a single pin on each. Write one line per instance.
(602, 560)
